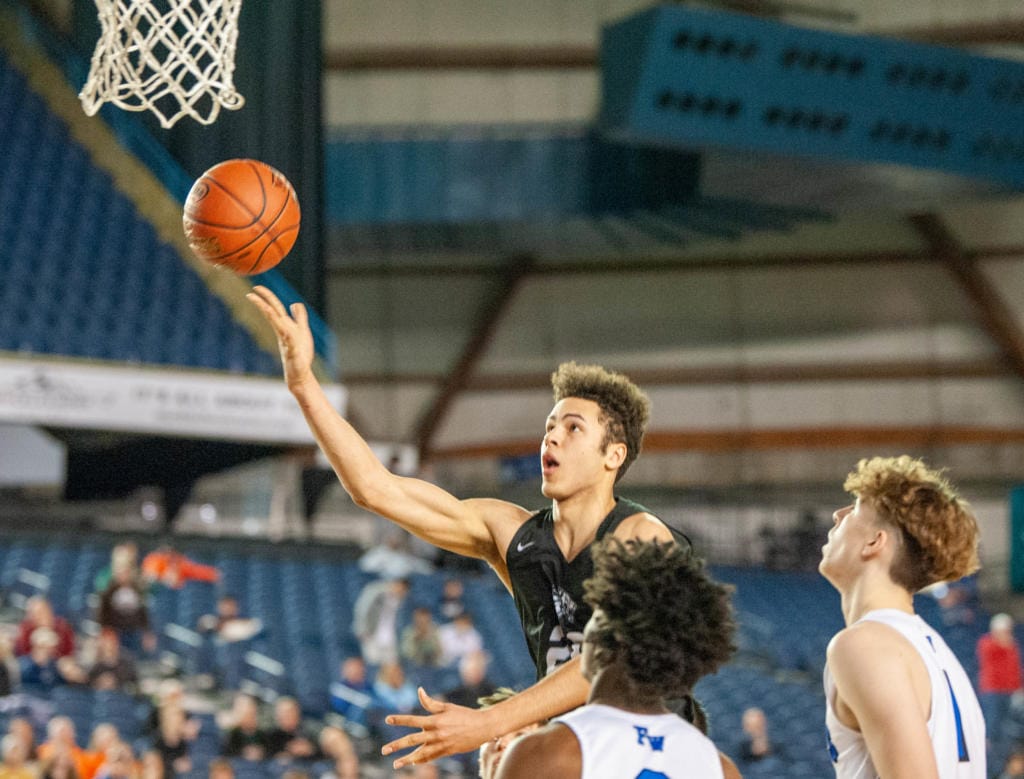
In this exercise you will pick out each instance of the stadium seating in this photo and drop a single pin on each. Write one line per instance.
(305, 598)
(84, 274)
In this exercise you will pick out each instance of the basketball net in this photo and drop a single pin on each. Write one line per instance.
(172, 57)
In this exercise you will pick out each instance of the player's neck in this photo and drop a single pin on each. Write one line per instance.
(584, 508)
(870, 593)
(612, 686)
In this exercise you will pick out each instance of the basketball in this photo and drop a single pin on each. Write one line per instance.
(242, 215)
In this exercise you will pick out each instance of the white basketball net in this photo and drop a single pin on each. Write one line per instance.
(172, 57)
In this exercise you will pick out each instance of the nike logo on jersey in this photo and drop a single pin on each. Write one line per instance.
(521, 546)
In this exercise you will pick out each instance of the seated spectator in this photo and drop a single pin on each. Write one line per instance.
(152, 765)
(337, 747)
(291, 738)
(104, 738)
(40, 670)
(352, 696)
(1014, 766)
(473, 682)
(112, 669)
(9, 675)
(226, 640)
(15, 763)
(451, 604)
(39, 614)
(756, 745)
(60, 746)
(119, 763)
(459, 637)
(220, 768)
(123, 608)
(392, 694)
(244, 738)
(393, 691)
(421, 642)
(393, 558)
(375, 619)
(59, 765)
(124, 555)
(22, 730)
(172, 569)
(172, 728)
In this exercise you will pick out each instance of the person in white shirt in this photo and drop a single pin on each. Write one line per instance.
(898, 703)
(459, 638)
(659, 625)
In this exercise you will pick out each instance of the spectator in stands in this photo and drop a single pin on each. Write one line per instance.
(1014, 766)
(124, 554)
(375, 621)
(999, 678)
(418, 771)
(123, 609)
(291, 738)
(171, 568)
(60, 744)
(103, 739)
(119, 763)
(9, 675)
(458, 638)
(152, 765)
(337, 747)
(421, 641)
(451, 604)
(15, 763)
(352, 696)
(393, 691)
(22, 729)
(755, 744)
(39, 614)
(220, 768)
(226, 639)
(59, 765)
(172, 728)
(245, 738)
(392, 694)
(473, 681)
(41, 670)
(111, 669)
(393, 559)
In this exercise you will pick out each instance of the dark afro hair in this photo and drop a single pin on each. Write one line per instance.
(665, 618)
(625, 409)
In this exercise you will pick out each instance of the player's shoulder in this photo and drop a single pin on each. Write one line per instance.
(862, 643)
(553, 750)
(643, 526)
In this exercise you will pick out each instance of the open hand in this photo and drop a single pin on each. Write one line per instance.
(294, 338)
(447, 729)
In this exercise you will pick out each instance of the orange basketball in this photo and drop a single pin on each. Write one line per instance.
(242, 214)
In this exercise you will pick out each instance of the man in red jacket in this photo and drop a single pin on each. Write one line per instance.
(999, 677)
(39, 614)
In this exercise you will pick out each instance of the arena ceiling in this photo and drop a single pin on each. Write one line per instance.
(884, 311)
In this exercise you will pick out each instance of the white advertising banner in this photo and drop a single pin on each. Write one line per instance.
(150, 400)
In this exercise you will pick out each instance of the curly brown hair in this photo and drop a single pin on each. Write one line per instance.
(664, 617)
(939, 533)
(625, 409)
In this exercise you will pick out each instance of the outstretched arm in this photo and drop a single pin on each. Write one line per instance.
(476, 528)
(449, 729)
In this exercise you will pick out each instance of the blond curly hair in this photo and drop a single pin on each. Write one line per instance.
(939, 534)
(625, 409)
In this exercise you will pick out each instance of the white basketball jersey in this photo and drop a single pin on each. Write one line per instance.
(616, 744)
(956, 725)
